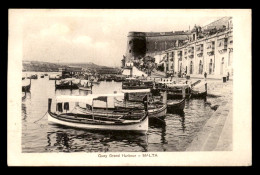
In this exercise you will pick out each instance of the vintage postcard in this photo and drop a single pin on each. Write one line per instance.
(129, 87)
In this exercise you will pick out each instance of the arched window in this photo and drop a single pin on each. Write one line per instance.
(191, 67)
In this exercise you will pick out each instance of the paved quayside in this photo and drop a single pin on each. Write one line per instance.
(216, 135)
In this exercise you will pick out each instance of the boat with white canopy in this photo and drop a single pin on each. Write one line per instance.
(134, 120)
(123, 106)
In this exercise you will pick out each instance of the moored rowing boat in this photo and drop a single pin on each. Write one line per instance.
(134, 121)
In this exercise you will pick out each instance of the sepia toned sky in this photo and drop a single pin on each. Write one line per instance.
(97, 36)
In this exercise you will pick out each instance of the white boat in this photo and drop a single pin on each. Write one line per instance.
(135, 121)
(155, 110)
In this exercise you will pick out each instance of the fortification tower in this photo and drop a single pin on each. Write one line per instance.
(136, 45)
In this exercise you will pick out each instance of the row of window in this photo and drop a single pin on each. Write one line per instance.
(181, 70)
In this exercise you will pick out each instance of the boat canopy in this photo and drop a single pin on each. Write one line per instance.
(84, 99)
(135, 90)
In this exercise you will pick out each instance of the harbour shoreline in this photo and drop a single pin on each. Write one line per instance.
(216, 134)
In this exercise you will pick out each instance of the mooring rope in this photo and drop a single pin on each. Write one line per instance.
(41, 117)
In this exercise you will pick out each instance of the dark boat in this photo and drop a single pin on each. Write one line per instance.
(175, 106)
(119, 78)
(33, 77)
(198, 91)
(66, 84)
(42, 76)
(174, 91)
(132, 83)
(198, 94)
(45, 74)
(109, 78)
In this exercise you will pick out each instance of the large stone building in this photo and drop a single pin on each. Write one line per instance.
(203, 49)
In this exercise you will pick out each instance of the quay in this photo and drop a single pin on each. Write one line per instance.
(216, 135)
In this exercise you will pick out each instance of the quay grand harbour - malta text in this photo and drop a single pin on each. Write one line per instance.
(126, 155)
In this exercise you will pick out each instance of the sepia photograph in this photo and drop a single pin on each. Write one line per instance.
(132, 87)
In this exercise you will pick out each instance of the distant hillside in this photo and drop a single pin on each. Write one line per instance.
(40, 66)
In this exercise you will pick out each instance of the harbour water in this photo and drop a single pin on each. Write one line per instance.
(174, 134)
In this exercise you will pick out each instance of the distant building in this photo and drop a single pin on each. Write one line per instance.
(209, 49)
(203, 49)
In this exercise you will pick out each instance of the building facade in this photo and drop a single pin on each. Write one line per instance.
(141, 44)
(208, 49)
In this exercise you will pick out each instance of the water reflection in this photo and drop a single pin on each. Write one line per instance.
(24, 111)
(182, 120)
(67, 139)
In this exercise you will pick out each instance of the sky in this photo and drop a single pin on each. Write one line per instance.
(98, 36)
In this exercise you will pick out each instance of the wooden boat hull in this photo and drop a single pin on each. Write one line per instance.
(176, 107)
(196, 94)
(155, 113)
(152, 113)
(141, 126)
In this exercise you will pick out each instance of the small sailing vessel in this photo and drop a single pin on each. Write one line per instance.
(198, 90)
(85, 85)
(133, 121)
